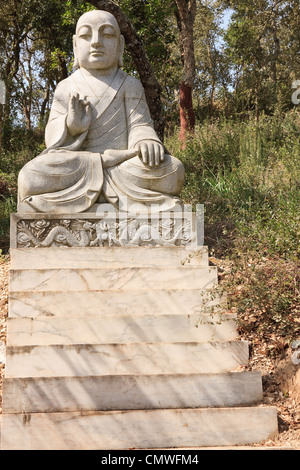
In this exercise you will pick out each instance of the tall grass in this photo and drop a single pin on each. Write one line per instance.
(247, 175)
(23, 146)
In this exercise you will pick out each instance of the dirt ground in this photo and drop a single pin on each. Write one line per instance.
(281, 377)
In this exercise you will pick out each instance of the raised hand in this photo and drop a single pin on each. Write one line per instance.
(79, 115)
(150, 152)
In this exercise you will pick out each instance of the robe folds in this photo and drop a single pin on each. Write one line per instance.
(69, 175)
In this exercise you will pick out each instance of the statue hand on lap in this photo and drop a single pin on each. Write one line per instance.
(150, 152)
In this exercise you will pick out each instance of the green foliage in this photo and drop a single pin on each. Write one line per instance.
(24, 146)
(154, 23)
(8, 206)
(73, 10)
(246, 174)
(262, 43)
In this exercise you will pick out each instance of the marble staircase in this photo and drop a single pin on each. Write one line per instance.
(125, 347)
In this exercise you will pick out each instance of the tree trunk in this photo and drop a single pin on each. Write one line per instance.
(185, 14)
(45, 103)
(276, 53)
(0, 128)
(63, 68)
(137, 51)
(187, 116)
(27, 114)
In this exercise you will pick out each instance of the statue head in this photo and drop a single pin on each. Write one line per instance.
(98, 43)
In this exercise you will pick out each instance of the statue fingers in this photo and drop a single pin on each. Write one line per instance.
(84, 101)
(144, 153)
(88, 112)
(157, 154)
(151, 154)
(74, 101)
(162, 153)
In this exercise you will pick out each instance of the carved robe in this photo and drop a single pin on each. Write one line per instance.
(69, 176)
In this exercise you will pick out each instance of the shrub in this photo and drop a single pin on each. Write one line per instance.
(247, 176)
(265, 293)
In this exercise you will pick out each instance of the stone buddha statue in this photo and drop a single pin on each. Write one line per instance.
(101, 144)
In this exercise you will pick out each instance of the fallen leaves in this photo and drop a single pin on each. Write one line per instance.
(4, 269)
(254, 291)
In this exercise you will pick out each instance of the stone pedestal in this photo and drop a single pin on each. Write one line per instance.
(118, 338)
(103, 225)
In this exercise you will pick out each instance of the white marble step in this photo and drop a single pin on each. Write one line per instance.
(110, 303)
(125, 392)
(114, 257)
(131, 358)
(121, 329)
(191, 277)
(139, 429)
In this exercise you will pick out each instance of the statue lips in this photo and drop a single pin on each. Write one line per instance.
(97, 53)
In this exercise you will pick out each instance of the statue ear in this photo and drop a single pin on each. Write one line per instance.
(76, 64)
(122, 46)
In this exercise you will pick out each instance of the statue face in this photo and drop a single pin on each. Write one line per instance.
(98, 43)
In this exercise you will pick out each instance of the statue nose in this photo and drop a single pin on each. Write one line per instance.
(96, 39)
